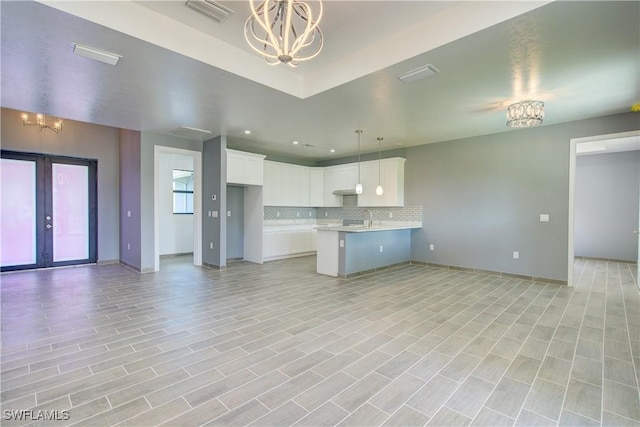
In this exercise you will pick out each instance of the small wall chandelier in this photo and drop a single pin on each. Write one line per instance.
(284, 31)
(41, 122)
(525, 114)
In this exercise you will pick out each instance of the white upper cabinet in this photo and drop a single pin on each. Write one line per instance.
(244, 168)
(390, 176)
(286, 184)
(341, 177)
(316, 186)
(292, 185)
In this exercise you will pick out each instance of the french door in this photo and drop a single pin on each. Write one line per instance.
(48, 214)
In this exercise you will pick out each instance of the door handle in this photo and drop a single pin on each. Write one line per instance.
(636, 232)
(48, 217)
(49, 226)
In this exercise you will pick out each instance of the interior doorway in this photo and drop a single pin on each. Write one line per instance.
(49, 211)
(235, 223)
(170, 235)
(611, 143)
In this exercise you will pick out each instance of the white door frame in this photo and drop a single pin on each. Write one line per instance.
(160, 150)
(572, 183)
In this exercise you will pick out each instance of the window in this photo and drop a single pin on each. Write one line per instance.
(182, 192)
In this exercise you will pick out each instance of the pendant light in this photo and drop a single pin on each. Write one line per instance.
(359, 185)
(379, 189)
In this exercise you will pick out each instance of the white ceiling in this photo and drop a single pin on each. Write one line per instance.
(181, 69)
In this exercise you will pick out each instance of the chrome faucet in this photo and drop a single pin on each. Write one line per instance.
(370, 216)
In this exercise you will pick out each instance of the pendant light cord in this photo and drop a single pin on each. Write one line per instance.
(359, 131)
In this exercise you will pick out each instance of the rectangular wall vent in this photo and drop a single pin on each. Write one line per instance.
(211, 9)
(419, 73)
(190, 133)
(96, 54)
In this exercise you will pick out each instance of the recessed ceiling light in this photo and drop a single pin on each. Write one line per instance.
(96, 54)
(295, 142)
(247, 132)
(332, 150)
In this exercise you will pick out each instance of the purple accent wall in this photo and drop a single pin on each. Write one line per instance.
(130, 192)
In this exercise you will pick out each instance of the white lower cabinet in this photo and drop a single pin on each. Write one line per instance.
(286, 241)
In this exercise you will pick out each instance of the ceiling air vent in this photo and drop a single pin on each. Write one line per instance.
(190, 133)
(212, 9)
(419, 73)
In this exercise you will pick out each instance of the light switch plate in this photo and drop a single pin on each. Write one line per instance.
(214, 214)
(544, 217)
(228, 213)
(342, 243)
(432, 247)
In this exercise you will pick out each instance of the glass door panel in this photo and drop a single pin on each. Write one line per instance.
(18, 212)
(48, 216)
(70, 215)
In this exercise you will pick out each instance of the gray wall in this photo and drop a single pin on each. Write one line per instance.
(130, 243)
(235, 222)
(482, 197)
(148, 142)
(606, 205)
(83, 140)
(214, 182)
(361, 251)
(398, 152)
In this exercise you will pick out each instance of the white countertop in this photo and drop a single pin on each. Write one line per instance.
(391, 225)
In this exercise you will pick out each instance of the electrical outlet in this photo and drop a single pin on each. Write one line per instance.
(380, 248)
(129, 214)
(432, 247)
(326, 213)
(229, 213)
(390, 214)
(214, 214)
(309, 214)
(516, 255)
(277, 214)
(298, 214)
(210, 245)
(128, 246)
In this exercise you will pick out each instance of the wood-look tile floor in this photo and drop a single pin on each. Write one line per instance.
(277, 345)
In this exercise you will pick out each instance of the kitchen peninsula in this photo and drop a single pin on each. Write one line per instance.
(346, 251)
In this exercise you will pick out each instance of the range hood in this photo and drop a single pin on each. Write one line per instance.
(349, 192)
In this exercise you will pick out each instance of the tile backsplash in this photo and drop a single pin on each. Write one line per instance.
(349, 210)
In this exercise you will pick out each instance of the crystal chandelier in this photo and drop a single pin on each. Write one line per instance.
(525, 114)
(284, 31)
(41, 122)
